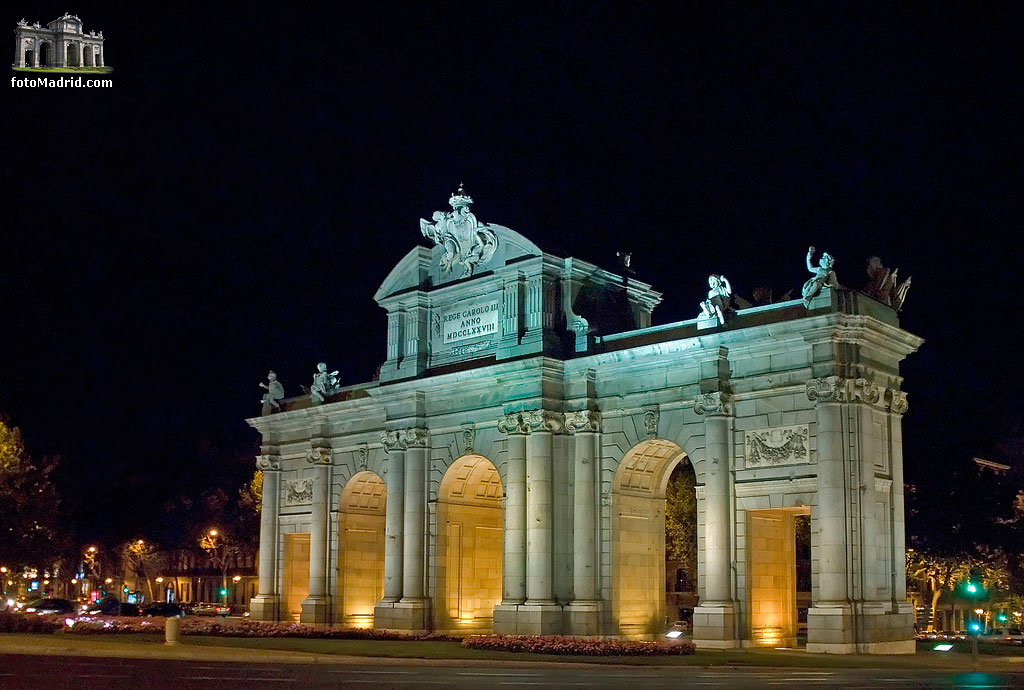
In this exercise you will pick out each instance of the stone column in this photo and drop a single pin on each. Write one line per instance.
(513, 568)
(714, 619)
(316, 606)
(35, 53)
(394, 445)
(100, 56)
(417, 441)
(539, 509)
(19, 50)
(264, 606)
(897, 404)
(585, 610)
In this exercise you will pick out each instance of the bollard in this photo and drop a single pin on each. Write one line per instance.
(172, 631)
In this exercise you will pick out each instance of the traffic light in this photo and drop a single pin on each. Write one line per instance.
(125, 589)
(1001, 618)
(970, 589)
(975, 628)
(223, 592)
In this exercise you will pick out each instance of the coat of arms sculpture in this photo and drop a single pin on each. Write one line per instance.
(466, 241)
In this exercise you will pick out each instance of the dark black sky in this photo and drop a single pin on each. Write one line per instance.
(234, 201)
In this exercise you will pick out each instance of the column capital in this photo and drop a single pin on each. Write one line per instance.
(393, 440)
(714, 404)
(583, 421)
(416, 437)
(544, 420)
(513, 424)
(268, 462)
(319, 456)
(838, 389)
(896, 401)
(402, 439)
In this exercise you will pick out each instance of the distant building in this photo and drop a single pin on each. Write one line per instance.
(61, 43)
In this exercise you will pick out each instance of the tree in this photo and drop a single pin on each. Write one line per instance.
(28, 504)
(681, 520)
(141, 556)
(222, 552)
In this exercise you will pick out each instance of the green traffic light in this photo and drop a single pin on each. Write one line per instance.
(223, 592)
(1001, 617)
(971, 587)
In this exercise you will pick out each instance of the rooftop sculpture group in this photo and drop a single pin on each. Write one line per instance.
(883, 286)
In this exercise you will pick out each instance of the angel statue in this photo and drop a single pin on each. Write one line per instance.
(824, 275)
(275, 393)
(324, 384)
(719, 301)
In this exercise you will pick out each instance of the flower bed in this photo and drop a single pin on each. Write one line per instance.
(127, 625)
(580, 646)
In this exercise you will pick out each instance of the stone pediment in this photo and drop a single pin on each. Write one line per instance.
(422, 267)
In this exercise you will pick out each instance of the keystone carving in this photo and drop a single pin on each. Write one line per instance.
(651, 420)
(715, 403)
(362, 455)
(583, 421)
(468, 439)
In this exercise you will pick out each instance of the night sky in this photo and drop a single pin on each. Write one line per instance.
(232, 204)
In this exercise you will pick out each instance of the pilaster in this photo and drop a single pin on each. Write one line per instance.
(714, 621)
(265, 605)
(316, 607)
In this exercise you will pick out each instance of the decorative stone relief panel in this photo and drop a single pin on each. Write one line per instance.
(781, 445)
(298, 491)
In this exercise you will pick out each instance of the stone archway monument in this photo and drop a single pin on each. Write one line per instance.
(524, 425)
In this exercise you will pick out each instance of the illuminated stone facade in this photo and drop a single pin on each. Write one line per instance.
(508, 470)
(61, 43)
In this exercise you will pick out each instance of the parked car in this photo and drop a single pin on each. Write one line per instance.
(210, 609)
(1004, 636)
(163, 609)
(44, 606)
(110, 606)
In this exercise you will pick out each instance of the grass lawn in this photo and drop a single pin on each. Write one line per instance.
(925, 658)
(73, 70)
(959, 658)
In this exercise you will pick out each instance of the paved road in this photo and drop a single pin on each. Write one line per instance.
(26, 672)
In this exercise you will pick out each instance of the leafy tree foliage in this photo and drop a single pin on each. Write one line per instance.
(962, 525)
(681, 521)
(28, 505)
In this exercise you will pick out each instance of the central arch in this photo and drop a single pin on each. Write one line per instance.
(638, 537)
(469, 545)
(361, 534)
(44, 55)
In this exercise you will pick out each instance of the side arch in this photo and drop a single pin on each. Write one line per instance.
(469, 545)
(361, 534)
(638, 537)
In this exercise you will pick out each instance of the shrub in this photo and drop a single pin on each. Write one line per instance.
(28, 623)
(580, 646)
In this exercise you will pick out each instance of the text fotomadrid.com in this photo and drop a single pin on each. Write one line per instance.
(60, 83)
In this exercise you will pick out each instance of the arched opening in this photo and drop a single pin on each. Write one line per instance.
(295, 585)
(87, 56)
(773, 540)
(681, 545)
(638, 538)
(469, 545)
(72, 55)
(29, 53)
(44, 55)
(361, 533)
